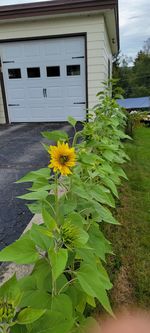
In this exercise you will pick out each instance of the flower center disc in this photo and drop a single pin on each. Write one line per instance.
(63, 159)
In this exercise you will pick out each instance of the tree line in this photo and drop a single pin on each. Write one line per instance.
(134, 80)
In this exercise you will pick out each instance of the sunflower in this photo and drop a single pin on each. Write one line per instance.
(62, 158)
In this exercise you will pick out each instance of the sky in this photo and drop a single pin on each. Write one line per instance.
(134, 18)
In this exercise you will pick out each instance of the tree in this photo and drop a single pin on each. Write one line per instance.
(141, 74)
(146, 46)
(134, 80)
(121, 72)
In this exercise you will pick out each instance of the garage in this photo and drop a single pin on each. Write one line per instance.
(45, 79)
(54, 57)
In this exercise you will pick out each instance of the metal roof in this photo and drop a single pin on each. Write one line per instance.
(135, 103)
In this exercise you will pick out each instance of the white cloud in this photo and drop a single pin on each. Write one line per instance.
(134, 25)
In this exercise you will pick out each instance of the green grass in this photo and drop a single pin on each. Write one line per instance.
(130, 268)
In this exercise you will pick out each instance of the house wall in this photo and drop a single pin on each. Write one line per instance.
(107, 53)
(98, 49)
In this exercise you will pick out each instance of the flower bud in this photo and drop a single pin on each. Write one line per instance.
(7, 311)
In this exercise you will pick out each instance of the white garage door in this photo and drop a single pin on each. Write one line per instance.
(45, 79)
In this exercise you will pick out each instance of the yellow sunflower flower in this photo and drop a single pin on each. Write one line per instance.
(62, 158)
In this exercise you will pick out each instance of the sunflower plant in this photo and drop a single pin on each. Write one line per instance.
(75, 194)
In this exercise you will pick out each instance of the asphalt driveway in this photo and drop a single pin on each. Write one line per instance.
(20, 151)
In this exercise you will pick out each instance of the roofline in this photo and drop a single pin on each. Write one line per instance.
(56, 7)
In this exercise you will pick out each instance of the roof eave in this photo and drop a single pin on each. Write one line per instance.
(61, 7)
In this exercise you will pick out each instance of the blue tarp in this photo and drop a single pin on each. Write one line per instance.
(135, 103)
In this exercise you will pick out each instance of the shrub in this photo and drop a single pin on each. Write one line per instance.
(68, 250)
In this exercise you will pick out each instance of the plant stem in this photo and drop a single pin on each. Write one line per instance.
(56, 198)
(5, 328)
(66, 284)
(77, 134)
(54, 290)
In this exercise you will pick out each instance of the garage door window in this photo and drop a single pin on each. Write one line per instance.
(14, 73)
(73, 70)
(33, 72)
(53, 71)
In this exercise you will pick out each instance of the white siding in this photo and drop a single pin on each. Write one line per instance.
(107, 54)
(98, 49)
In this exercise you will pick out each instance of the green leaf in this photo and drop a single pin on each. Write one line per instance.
(87, 325)
(48, 220)
(29, 315)
(80, 191)
(72, 121)
(8, 286)
(10, 289)
(105, 214)
(34, 175)
(35, 207)
(63, 304)
(120, 172)
(61, 283)
(19, 329)
(76, 219)
(46, 146)
(58, 261)
(52, 322)
(81, 305)
(98, 242)
(111, 185)
(42, 273)
(23, 251)
(41, 236)
(99, 193)
(55, 135)
(89, 158)
(67, 204)
(104, 276)
(91, 301)
(41, 184)
(91, 283)
(87, 255)
(40, 195)
(27, 283)
(82, 239)
(40, 278)
(109, 155)
(37, 299)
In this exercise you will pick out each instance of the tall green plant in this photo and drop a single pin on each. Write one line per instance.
(68, 250)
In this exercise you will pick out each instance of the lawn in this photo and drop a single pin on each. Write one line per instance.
(130, 268)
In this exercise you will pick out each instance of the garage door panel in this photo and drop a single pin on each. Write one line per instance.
(54, 83)
(53, 48)
(30, 50)
(74, 91)
(45, 83)
(35, 93)
(13, 51)
(53, 92)
(77, 113)
(35, 105)
(16, 114)
(17, 94)
(74, 47)
(54, 102)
